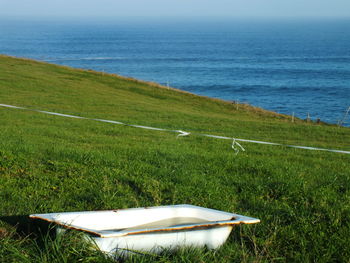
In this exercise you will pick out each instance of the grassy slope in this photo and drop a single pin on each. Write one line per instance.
(50, 163)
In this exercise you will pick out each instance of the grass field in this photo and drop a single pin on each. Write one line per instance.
(51, 164)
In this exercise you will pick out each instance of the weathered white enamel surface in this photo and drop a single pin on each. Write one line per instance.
(151, 228)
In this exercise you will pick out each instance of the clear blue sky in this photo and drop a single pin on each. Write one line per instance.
(175, 8)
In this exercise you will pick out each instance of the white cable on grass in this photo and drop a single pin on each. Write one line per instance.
(114, 122)
(60, 114)
(146, 127)
(10, 106)
(234, 143)
(184, 133)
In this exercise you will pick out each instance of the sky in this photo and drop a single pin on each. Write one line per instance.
(175, 8)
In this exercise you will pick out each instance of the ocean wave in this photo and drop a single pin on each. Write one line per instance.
(258, 60)
(82, 59)
(295, 89)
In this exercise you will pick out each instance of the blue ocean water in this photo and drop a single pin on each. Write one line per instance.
(283, 66)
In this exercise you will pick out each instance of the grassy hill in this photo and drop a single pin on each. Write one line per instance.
(50, 164)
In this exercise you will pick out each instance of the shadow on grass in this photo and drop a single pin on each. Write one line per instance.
(25, 226)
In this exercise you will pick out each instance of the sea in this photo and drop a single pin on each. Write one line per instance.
(299, 67)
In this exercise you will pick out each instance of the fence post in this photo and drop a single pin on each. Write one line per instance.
(340, 123)
(308, 117)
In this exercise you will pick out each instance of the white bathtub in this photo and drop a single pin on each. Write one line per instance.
(151, 229)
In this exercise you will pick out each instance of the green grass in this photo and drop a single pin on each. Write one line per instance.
(50, 164)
